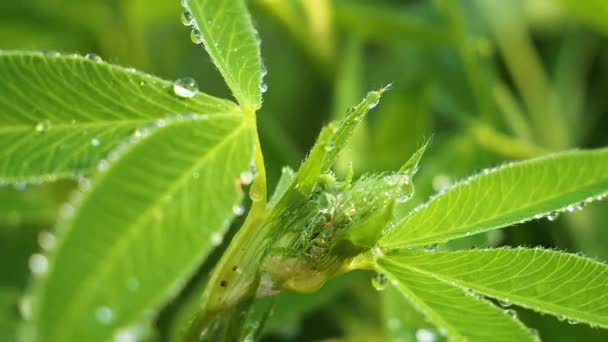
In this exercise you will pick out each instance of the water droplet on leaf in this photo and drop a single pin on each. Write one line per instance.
(425, 335)
(379, 281)
(185, 87)
(196, 37)
(238, 210)
(187, 18)
(104, 315)
(553, 216)
(93, 57)
(511, 313)
(95, 142)
(216, 239)
(504, 303)
(38, 264)
(47, 240)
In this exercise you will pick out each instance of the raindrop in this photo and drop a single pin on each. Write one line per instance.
(25, 307)
(20, 186)
(505, 303)
(431, 248)
(38, 264)
(511, 313)
(103, 165)
(47, 240)
(238, 210)
(40, 127)
(246, 178)
(216, 239)
(187, 18)
(95, 142)
(104, 315)
(425, 335)
(553, 216)
(67, 211)
(572, 322)
(185, 87)
(93, 57)
(263, 88)
(160, 123)
(51, 53)
(329, 147)
(196, 37)
(373, 104)
(379, 281)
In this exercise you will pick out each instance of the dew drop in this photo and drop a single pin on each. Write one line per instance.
(373, 104)
(160, 123)
(263, 88)
(216, 239)
(246, 178)
(329, 147)
(238, 210)
(95, 142)
(20, 186)
(196, 37)
(25, 307)
(50, 53)
(431, 248)
(425, 335)
(553, 216)
(185, 87)
(104, 315)
(38, 264)
(379, 281)
(40, 127)
(103, 165)
(67, 211)
(511, 313)
(93, 57)
(572, 322)
(505, 303)
(187, 18)
(47, 240)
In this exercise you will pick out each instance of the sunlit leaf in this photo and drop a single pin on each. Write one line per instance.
(561, 284)
(61, 114)
(504, 196)
(226, 30)
(458, 314)
(145, 226)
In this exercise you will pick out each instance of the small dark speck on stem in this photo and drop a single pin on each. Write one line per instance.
(223, 283)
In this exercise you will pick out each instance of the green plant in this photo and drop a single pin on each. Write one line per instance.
(169, 165)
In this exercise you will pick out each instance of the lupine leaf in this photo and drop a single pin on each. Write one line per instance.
(226, 30)
(561, 284)
(147, 223)
(61, 114)
(504, 196)
(458, 314)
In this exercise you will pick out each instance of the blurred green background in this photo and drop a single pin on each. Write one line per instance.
(488, 81)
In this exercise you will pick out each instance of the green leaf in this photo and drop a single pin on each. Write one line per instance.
(500, 197)
(61, 114)
(457, 313)
(591, 12)
(226, 30)
(147, 224)
(566, 285)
